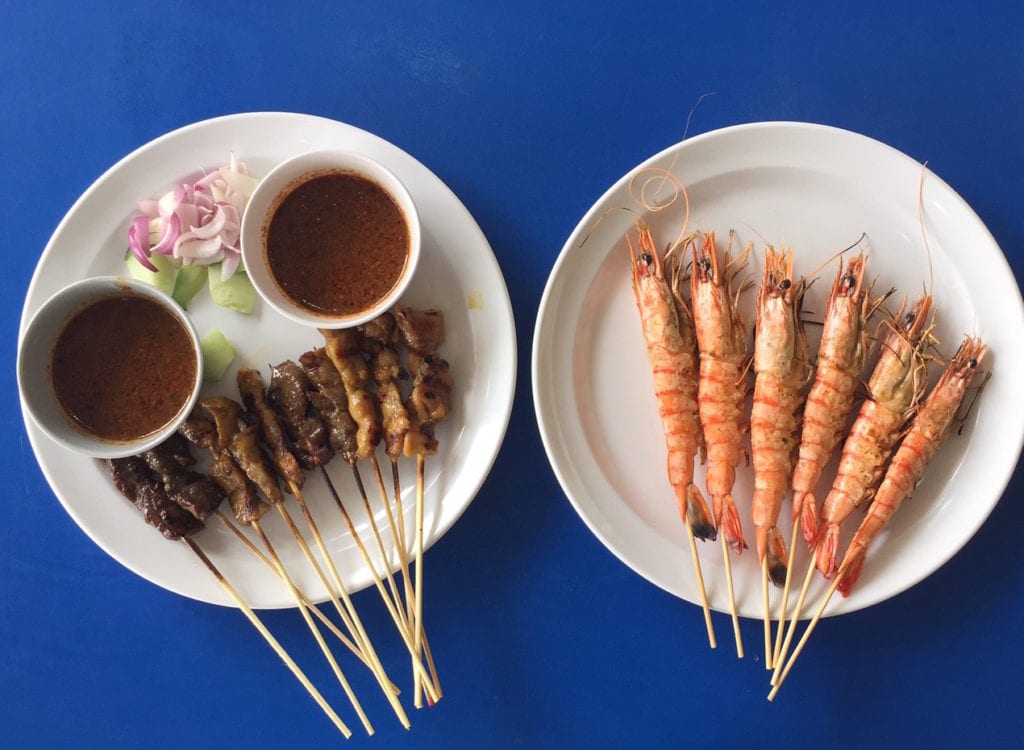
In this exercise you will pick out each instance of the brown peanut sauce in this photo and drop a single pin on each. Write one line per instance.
(123, 367)
(337, 243)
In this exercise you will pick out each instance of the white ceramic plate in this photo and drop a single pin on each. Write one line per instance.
(816, 189)
(457, 273)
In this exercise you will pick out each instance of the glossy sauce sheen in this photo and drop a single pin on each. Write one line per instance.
(123, 367)
(337, 244)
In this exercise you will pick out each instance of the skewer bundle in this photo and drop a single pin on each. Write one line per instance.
(896, 433)
(306, 415)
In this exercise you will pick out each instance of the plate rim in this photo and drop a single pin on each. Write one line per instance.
(504, 306)
(547, 423)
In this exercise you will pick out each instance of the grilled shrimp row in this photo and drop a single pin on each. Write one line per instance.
(700, 359)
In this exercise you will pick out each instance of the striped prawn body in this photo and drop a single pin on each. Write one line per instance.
(842, 355)
(895, 387)
(722, 343)
(672, 351)
(781, 368)
(929, 429)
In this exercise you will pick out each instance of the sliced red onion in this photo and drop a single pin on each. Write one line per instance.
(170, 234)
(138, 241)
(232, 258)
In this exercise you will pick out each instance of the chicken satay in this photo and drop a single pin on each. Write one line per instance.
(171, 461)
(251, 386)
(422, 330)
(378, 341)
(343, 350)
(132, 478)
(327, 395)
(240, 441)
(306, 432)
(246, 504)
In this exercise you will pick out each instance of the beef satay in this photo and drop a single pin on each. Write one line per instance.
(343, 350)
(328, 397)
(252, 388)
(133, 480)
(195, 492)
(287, 394)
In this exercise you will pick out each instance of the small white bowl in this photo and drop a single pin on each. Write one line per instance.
(36, 351)
(265, 200)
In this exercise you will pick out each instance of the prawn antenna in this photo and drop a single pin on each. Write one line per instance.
(924, 232)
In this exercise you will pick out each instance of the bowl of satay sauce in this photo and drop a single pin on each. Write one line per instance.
(109, 367)
(330, 239)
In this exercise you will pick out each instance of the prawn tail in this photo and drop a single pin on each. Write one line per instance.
(852, 571)
(808, 518)
(828, 547)
(729, 523)
(695, 512)
(771, 546)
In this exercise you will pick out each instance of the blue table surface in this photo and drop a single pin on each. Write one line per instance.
(528, 111)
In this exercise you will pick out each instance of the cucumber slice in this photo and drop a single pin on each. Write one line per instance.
(218, 353)
(163, 279)
(235, 294)
(190, 280)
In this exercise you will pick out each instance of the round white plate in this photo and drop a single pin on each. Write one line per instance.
(457, 273)
(815, 189)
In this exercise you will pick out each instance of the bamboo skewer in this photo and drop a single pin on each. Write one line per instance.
(784, 605)
(418, 636)
(798, 610)
(700, 585)
(767, 614)
(348, 613)
(418, 667)
(807, 633)
(317, 636)
(732, 598)
(403, 559)
(271, 640)
(385, 562)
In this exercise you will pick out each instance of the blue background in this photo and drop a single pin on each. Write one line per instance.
(529, 112)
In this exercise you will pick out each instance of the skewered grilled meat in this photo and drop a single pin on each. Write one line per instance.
(377, 341)
(246, 504)
(288, 395)
(343, 350)
(132, 478)
(171, 462)
(422, 330)
(329, 398)
(240, 441)
(430, 400)
(250, 385)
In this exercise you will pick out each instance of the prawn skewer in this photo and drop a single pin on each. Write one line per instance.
(722, 344)
(780, 364)
(672, 350)
(928, 431)
(842, 355)
(894, 389)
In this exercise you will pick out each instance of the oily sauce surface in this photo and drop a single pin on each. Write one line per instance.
(123, 367)
(337, 243)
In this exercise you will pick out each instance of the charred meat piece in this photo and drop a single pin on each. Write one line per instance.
(344, 352)
(131, 477)
(191, 490)
(246, 504)
(226, 414)
(288, 394)
(240, 441)
(422, 330)
(199, 431)
(330, 399)
(430, 400)
(378, 341)
(250, 385)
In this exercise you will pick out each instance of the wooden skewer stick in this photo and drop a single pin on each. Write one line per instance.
(317, 636)
(314, 610)
(418, 635)
(270, 639)
(807, 633)
(732, 598)
(403, 559)
(402, 629)
(766, 614)
(798, 610)
(347, 613)
(784, 606)
(700, 586)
